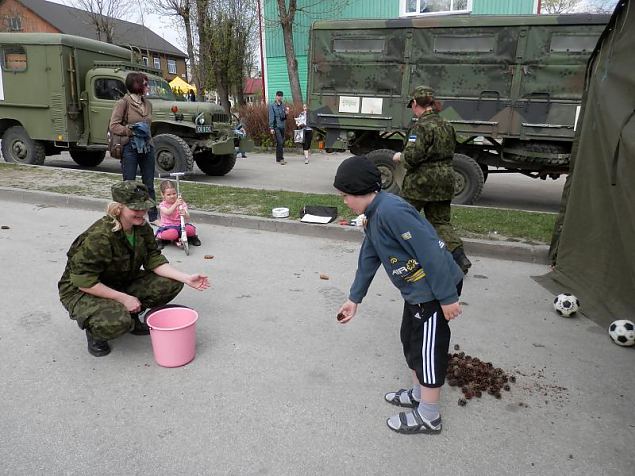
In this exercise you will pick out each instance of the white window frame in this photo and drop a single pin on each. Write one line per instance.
(403, 13)
(145, 61)
(156, 60)
(171, 66)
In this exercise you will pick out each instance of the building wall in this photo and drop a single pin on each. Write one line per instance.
(181, 69)
(276, 75)
(30, 22)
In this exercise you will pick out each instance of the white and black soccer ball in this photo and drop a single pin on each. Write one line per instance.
(566, 304)
(622, 332)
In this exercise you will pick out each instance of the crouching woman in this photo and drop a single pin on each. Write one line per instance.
(104, 287)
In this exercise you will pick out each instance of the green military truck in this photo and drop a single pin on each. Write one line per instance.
(510, 85)
(57, 93)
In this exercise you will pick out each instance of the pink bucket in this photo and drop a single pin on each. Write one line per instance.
(173, 335)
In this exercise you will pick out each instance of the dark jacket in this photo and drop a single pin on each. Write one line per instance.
(277, 116)
(417, 262)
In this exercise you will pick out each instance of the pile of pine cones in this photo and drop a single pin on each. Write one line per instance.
(476, 377)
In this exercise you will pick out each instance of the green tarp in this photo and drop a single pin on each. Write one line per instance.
(594, 244)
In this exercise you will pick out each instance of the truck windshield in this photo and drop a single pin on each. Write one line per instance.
(159, 88)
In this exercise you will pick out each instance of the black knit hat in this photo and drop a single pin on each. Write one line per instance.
(357, 175)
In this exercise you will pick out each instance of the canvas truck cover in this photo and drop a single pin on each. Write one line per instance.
(594, 241)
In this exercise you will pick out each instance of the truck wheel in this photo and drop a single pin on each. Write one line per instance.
(217, 165)
(382, 158)
(468, 180)
(172, 154)
(87, 158)
(19, 148)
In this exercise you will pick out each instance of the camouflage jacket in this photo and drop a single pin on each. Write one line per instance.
(100, 255)
(427, 157)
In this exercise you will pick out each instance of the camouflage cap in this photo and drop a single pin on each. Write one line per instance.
(421, 92)
(132, 194)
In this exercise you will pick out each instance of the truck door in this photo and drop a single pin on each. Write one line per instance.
(103, 93)
(471, 71)
(551, 70)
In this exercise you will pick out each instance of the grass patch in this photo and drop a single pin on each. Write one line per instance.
(498, 223)
(472, 222)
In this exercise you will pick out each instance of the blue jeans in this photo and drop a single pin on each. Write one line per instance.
(131, 160)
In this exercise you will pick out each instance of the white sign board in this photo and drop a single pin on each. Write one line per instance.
(349, 104)
(372, 105)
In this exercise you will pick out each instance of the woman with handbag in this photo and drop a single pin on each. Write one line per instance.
(301, 121)
(130, 122)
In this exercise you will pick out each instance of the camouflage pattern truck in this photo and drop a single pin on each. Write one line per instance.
(510, 85)
(57, 93)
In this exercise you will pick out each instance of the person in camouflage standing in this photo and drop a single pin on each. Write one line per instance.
(429, 181)
(103, 287)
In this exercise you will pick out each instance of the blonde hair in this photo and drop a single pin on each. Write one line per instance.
(113, 210)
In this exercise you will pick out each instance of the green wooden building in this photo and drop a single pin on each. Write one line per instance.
(275, 63)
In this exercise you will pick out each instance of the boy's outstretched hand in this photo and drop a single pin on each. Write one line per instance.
(199, 282)
(451, 311)
(346, 312)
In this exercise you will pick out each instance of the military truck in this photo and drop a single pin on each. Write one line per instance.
(57, 93)
(510, 85)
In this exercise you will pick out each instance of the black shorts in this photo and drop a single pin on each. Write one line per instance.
(308, 137)
(425, 336)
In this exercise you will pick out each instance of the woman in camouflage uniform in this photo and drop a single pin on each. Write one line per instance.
(429, 181)
(103, 287)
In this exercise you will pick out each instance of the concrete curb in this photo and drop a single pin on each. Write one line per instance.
(507, 250)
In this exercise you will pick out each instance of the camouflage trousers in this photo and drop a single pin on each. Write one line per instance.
(108, 319)
(439, 215)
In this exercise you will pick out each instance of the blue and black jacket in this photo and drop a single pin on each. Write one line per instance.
(416, 260)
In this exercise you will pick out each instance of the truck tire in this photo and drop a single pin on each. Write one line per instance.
(19, 148)
(87, 158)
(216, 165)
(382, 158)
(468, 180)
(171, 154)
(540, 148)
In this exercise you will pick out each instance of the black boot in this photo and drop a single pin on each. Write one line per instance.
(140, 328)
(194, 241)
(459, 258)
(160, 243)
(98, 348)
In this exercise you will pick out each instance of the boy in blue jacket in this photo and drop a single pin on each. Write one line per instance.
(420, 266)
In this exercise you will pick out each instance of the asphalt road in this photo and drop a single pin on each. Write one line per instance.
(259, 170)
(278, 387)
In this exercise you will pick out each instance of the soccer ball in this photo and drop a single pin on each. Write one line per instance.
(622, 332)
(566, 304)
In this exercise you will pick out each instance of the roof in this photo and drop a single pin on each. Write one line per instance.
(66, 40)
(74, 21)
(462, 21)
(252, 86)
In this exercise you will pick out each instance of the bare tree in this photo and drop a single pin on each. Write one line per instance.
(600, 6)
(225, 29)
(102, 15)
(183, 12)
(286, 17)
(578, 6)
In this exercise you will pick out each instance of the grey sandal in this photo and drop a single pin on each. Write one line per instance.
(402, 398)
(421, 425)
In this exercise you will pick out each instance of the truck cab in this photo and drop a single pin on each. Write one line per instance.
(57, 92)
